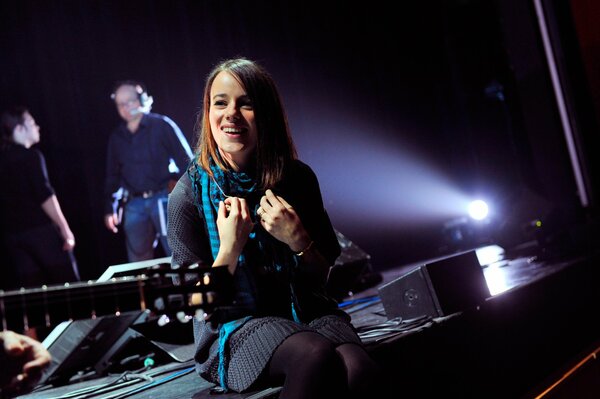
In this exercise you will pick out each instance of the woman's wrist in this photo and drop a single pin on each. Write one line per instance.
(305, 249)
(226, 257)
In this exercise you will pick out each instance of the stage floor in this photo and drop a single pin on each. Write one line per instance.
(535, 321)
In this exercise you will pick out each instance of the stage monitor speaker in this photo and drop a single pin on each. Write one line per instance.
(442, 287)
(77, 346)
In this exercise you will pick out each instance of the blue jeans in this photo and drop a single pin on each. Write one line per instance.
(145, 223)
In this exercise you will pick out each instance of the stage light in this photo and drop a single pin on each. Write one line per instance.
(400, 188)
(473, 228)
(391, 186)
(478, 210)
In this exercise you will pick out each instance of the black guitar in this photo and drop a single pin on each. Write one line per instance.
(174, 293)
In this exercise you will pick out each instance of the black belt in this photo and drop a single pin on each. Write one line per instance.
(144, 194)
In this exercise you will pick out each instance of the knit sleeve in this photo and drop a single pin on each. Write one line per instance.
(186, 228)
(320, 227)
(301, 186)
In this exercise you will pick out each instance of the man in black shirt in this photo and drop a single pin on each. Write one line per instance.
(146, 155)
(38, 240)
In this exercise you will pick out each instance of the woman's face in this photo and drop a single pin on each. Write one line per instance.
(232, 122)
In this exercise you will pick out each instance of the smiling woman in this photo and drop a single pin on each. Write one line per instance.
(247, 203)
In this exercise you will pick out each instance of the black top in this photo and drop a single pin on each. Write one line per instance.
(140, 161)
(188, 239)
(24, 186)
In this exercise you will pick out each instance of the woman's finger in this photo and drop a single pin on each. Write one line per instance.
(221, 213)
(285, 203)
(272, 198)
(244, 210)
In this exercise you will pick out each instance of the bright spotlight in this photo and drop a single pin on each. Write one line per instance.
(478, 210)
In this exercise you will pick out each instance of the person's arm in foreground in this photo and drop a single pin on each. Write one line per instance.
(23, 359)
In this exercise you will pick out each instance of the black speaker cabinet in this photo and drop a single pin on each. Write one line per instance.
(442, 287)
(76, 346)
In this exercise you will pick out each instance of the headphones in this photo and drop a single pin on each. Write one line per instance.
(140, 89)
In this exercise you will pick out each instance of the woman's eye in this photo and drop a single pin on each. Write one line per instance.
(220, 103)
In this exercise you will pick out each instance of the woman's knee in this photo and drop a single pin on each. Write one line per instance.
(309, 362)
(314, 351)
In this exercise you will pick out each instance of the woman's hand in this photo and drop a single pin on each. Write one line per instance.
(234, 225)
(280, 220)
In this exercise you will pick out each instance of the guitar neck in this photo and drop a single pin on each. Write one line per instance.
(23, 309)
(167, 291)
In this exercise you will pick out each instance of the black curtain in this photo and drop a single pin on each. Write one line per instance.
(423, 79)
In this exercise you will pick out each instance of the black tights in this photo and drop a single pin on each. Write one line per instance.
(310, 366)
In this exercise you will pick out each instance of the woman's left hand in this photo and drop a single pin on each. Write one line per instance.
(280, 220)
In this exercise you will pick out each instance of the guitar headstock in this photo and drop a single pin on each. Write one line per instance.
(185, 292)
(169, 293)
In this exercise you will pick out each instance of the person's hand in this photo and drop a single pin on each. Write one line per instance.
(69, 240)
(111, 221)
(234, 225)
(280, 220)
(23, 360)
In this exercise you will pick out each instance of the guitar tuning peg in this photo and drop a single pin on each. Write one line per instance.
(200, 314)
(183, 318)
(163, 320)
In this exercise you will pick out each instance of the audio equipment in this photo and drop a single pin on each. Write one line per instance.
(101, 314)
(77, 347)
(442, 287)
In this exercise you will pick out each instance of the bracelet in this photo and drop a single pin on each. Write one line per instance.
(305, 249)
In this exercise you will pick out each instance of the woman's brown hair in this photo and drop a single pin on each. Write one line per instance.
(275, 147)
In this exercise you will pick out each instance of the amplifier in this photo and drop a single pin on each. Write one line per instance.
(442, 287)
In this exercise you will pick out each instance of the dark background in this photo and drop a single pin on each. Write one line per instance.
(405, 114)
